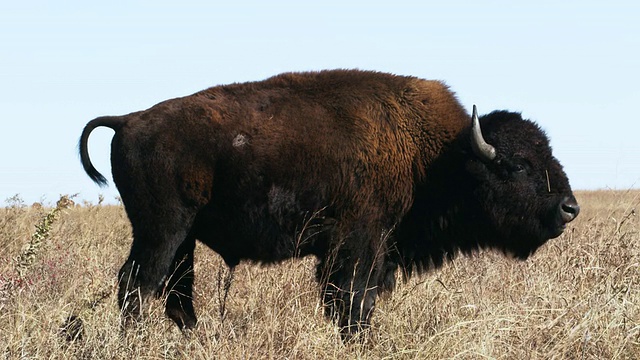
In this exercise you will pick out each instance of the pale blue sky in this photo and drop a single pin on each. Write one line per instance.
(572, 66)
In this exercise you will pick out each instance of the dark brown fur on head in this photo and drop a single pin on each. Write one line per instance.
(513, 203)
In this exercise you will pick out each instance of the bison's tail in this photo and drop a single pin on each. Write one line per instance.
(112, 122)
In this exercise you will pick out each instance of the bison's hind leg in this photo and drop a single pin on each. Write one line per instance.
(179, 287)
(156, 243)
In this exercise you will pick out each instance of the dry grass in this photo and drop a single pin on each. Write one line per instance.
(577, 298)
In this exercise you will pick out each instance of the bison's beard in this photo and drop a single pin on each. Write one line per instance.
(523, 242)
(527, 235)
(524, 253)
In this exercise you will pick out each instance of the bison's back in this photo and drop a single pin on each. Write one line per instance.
(261, 158)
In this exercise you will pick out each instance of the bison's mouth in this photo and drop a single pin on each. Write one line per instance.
(567, 211)
(558, 231)
(558, 218)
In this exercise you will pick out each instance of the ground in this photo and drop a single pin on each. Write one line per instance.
(578, 297)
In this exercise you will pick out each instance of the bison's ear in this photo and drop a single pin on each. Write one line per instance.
(480, 147)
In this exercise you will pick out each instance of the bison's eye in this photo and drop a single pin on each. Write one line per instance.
(519, 168)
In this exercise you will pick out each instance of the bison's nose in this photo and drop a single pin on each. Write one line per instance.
(569, 209)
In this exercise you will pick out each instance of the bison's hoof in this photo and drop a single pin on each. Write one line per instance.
(184, 320)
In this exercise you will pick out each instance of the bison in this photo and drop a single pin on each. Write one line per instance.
(372, 173)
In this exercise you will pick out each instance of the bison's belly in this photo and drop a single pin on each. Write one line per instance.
(255, 232)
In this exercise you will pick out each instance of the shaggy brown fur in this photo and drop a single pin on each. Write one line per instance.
(367, 171)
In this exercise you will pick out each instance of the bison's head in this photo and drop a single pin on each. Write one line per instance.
(520, 187)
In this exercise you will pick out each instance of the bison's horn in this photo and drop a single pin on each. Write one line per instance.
(480, 147)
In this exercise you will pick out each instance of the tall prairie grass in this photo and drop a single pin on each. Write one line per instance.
(578, 297)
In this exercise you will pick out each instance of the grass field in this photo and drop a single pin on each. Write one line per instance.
(577, 298)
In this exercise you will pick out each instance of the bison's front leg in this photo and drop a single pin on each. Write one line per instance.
(351, 307)
(350, 278)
